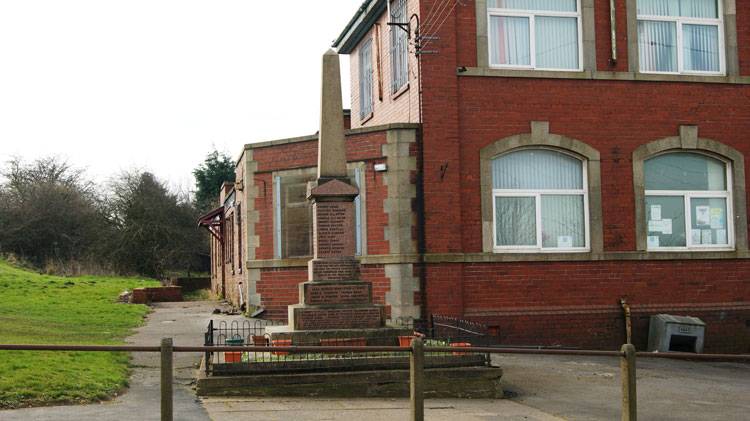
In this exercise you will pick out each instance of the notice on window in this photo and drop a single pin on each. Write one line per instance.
(702, 215)
(717, 218)
(653, 241)
(666, 226)
(695, 236)
(655, 226)
(565, 241)
(656, 212)
(705, 236)
(721, 236)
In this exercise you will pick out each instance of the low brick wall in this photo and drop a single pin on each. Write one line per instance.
(157, 294)
(191, 284)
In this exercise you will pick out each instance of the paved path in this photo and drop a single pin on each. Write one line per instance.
(370, 409)
(185, 323)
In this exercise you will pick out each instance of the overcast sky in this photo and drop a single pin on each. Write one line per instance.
(156, 84)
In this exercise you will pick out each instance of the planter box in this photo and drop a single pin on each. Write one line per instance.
(281, 342)
(405, 340)
(460, 345)
(342, 342)
(260, 340)
(233, 357)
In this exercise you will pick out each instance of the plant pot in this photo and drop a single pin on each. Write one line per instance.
(233, 357)
(460, 345)
(260, 340)
(281, 342)
(405, 340)
(342, 342)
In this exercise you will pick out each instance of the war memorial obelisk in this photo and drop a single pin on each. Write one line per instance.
(334, 298)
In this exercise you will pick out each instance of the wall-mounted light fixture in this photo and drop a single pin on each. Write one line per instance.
(380, 167)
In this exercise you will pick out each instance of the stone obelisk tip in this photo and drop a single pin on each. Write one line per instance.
(331, 141)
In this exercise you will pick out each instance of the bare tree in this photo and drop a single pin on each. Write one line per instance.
(48, 211)
(154, 230)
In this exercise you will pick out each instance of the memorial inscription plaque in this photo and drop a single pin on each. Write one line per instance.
(334, 229)
(352, 318)
(334, 270)
(355, 293)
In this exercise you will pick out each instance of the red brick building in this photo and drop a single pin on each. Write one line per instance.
(528, 164)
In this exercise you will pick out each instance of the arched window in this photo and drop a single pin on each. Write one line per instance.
(540, 201)
(688, 202)
(689, 194)
(540, 192)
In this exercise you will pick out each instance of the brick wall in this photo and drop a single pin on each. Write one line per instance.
(387, 108)
(157, 294)
(577, 303)
(613, 117)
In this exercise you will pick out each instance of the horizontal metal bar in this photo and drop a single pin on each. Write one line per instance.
(487, 350)
(364, 349)
(691, 356)
(293, 349)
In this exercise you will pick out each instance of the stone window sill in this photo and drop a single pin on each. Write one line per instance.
(400, 92)
(602, 75)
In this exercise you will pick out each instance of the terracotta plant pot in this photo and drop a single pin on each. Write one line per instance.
(232, 357)
(342, 342)
(260, 340)
(281, 342)
(460, 345)
(405, 340)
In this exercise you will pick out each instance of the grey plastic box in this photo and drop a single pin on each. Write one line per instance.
(669, 333)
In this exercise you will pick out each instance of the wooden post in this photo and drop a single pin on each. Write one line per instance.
(416, 379)
(166, 379)
(629, 406)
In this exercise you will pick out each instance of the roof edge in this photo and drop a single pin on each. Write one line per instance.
(360, 130)
(359, 25)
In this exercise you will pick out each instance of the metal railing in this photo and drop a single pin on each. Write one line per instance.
(439, 332)
(416, 352)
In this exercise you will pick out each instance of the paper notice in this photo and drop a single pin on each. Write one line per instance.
(721, 236)
(695, 236)
(717, 218)
(702, 215)
(655, 226)
(666, 226)
(655, 212)
(653, 241)
(705, 236)
(565, 241)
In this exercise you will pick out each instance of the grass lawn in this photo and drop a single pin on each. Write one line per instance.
(40, 309)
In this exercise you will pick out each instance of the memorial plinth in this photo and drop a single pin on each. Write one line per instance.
(334, 302)
(334, 297)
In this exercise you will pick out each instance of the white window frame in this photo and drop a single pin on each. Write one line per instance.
(398, 35)
(679, 20)
(531, 15)
(699, 194)
(359, 213)
(365, 80)
(537, 195)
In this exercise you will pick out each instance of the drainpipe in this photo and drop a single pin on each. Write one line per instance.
(420, 203)
(626, 309)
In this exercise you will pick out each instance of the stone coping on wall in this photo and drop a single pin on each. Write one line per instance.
(606, 309)
(601, 75)
(515, 257)
(350, 132)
